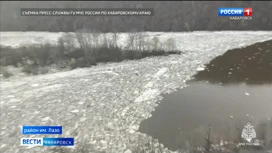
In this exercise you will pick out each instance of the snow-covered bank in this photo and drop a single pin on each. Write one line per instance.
(183, 39)
(102, 106)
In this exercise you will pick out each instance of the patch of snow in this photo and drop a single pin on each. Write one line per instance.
(109, 72)
(75, 111)
(160, 72)
(82, 119)
(36, 112)
(2, 133)
(103, 141)
(200, 69)
(3, 145)
(149, 84)
(247, 94)
(35, 85)
(93, 142)
(147, 95)
(46, 118)
(128, 151)
(80, 103)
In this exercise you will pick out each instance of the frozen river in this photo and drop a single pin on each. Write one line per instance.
(102, 106)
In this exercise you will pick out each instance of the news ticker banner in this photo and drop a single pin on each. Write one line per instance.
(26, 130)
(41, 129)
(87, 11)
(238, 12)
(47, 141)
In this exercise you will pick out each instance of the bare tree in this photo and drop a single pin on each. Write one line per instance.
(68, 41)
(208, 140)
(105, 41)
(170, 44)
(114, 39)
(131, 41)
(96, 35)
(85, 41)
(155, 43)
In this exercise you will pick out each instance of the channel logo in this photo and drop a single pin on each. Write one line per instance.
(47, 141)
(31, 141)
(234, 11)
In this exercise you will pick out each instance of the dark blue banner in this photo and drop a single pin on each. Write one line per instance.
(58, 141)
(41, 129)
(230, 11)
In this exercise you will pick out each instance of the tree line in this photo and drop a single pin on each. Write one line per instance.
(83, 49)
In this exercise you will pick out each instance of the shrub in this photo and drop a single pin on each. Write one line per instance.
(155, 43)
(131, 41)
(108, 54)
(132, 54)
(170, 44)
(158, 52)
(67, 42)
(83, 62)
(72, 63)
(174, 52)
(42, 54)
(6, 73)
(43, 70)
(10, 56)
(31, 70)
(77, 53)
(88, 44)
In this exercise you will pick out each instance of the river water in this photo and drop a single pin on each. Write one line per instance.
(234, 89)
